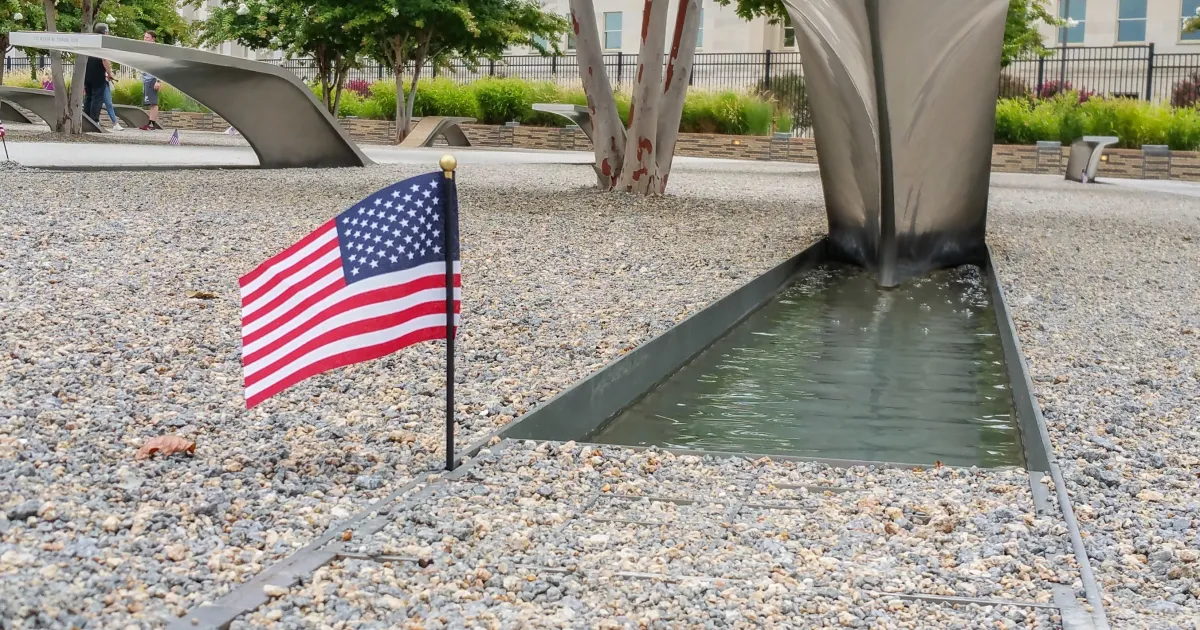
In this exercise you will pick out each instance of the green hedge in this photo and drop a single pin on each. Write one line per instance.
(495, 101)
(1065, 119)
(129, 92)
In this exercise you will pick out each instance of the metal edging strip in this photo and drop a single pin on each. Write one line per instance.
(1029, 411)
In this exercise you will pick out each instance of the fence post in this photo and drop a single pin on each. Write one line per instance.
(380, 72)
(1041, 78)
(767, 70)
(1150, 73)
(620, 62)
(491, 67)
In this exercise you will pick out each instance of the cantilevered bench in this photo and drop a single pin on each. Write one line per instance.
(430, 127)
(132, 116)
(275, 111)
(574, 113)
(41, 102)
(1085, 155)
(12, 114)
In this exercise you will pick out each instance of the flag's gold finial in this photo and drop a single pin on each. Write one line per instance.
(448, 163)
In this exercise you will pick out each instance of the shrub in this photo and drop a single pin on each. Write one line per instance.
(1050, 89)
(361, 87)
(502, 100)
(1011, 122)
(1066, 119)
(789, 92)
(1013, 87)
(1185, 93)
(443, 97)
(382, 102)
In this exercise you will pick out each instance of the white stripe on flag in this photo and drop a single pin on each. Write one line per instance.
(348, 344)
(370, 284)
(284, 264)
(368, 311)
(306, 273)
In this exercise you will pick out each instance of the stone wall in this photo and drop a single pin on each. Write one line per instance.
(1126, 163)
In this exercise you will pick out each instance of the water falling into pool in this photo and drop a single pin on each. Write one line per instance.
(837, 367)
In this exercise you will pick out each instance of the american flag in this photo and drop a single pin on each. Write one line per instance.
(174, 141)
(2, 132)
(362, 286)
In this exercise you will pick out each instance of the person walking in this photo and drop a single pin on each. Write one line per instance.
(150, 88)
(95, 81)
(110, 81)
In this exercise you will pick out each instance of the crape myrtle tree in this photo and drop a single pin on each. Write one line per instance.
(126, 18)
(638, 158)
(407, 35)
(320, 30)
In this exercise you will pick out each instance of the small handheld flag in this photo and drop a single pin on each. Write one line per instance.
(174, 141)
(364, 285)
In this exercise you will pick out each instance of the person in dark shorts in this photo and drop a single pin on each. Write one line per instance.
(95, 80)
(150, 89)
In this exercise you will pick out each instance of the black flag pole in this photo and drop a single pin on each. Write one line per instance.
(449, 224)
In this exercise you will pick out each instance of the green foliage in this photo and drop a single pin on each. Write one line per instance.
(129, 92)
(1064, 118)
(497, 101)
(443, 97)
(789, 92)
(502, 100)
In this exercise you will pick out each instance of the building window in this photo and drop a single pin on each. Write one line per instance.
(1075, 14)
(1189, 11)
(570, 32)
(1131, 21)
(789, 33)
(612, 30)
(544, 43)
(700, 33)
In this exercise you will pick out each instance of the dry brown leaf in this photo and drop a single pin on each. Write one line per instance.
(347, 535)
(166, 445)
(202, 295)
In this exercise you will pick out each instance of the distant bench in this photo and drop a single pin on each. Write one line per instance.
(430, 127)
(1084, 159)
(41, 102)
(574, 113)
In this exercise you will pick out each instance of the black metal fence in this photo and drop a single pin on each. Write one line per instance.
(1129, 71)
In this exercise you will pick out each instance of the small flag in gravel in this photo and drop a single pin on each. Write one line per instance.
(2, 132)
(174, 141)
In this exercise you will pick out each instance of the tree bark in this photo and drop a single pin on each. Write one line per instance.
(62, 123)
(4, 51)
(640, 173)
(675, 85)
(339, 78)
(74, 111)
(406, 102)
(608, 134)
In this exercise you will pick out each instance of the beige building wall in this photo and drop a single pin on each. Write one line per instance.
(722, 30)
(1164, 21)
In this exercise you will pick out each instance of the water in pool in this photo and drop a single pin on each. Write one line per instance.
(837, 367)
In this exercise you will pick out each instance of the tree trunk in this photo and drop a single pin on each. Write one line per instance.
(339, 78)
(62, 123)
(640, 173)
(675, 85)
(608, 134)
(4, 51)
(405, 102)
(74, 111)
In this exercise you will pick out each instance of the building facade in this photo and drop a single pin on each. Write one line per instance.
(1126, 23)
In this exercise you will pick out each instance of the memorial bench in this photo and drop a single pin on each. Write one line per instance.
(41, 102)
(577, 114)
(12, 114)
(430, 127)
(1085, 156)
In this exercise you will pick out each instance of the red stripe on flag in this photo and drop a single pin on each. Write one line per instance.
(349, 330)
(287, 273)
(383, 294)
(291, 291)
(295, 311)
(346, 358)
(299, 245)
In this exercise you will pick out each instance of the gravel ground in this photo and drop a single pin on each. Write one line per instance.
(102, 349)
(1105, 291)
(584, 536)
(41, 133)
